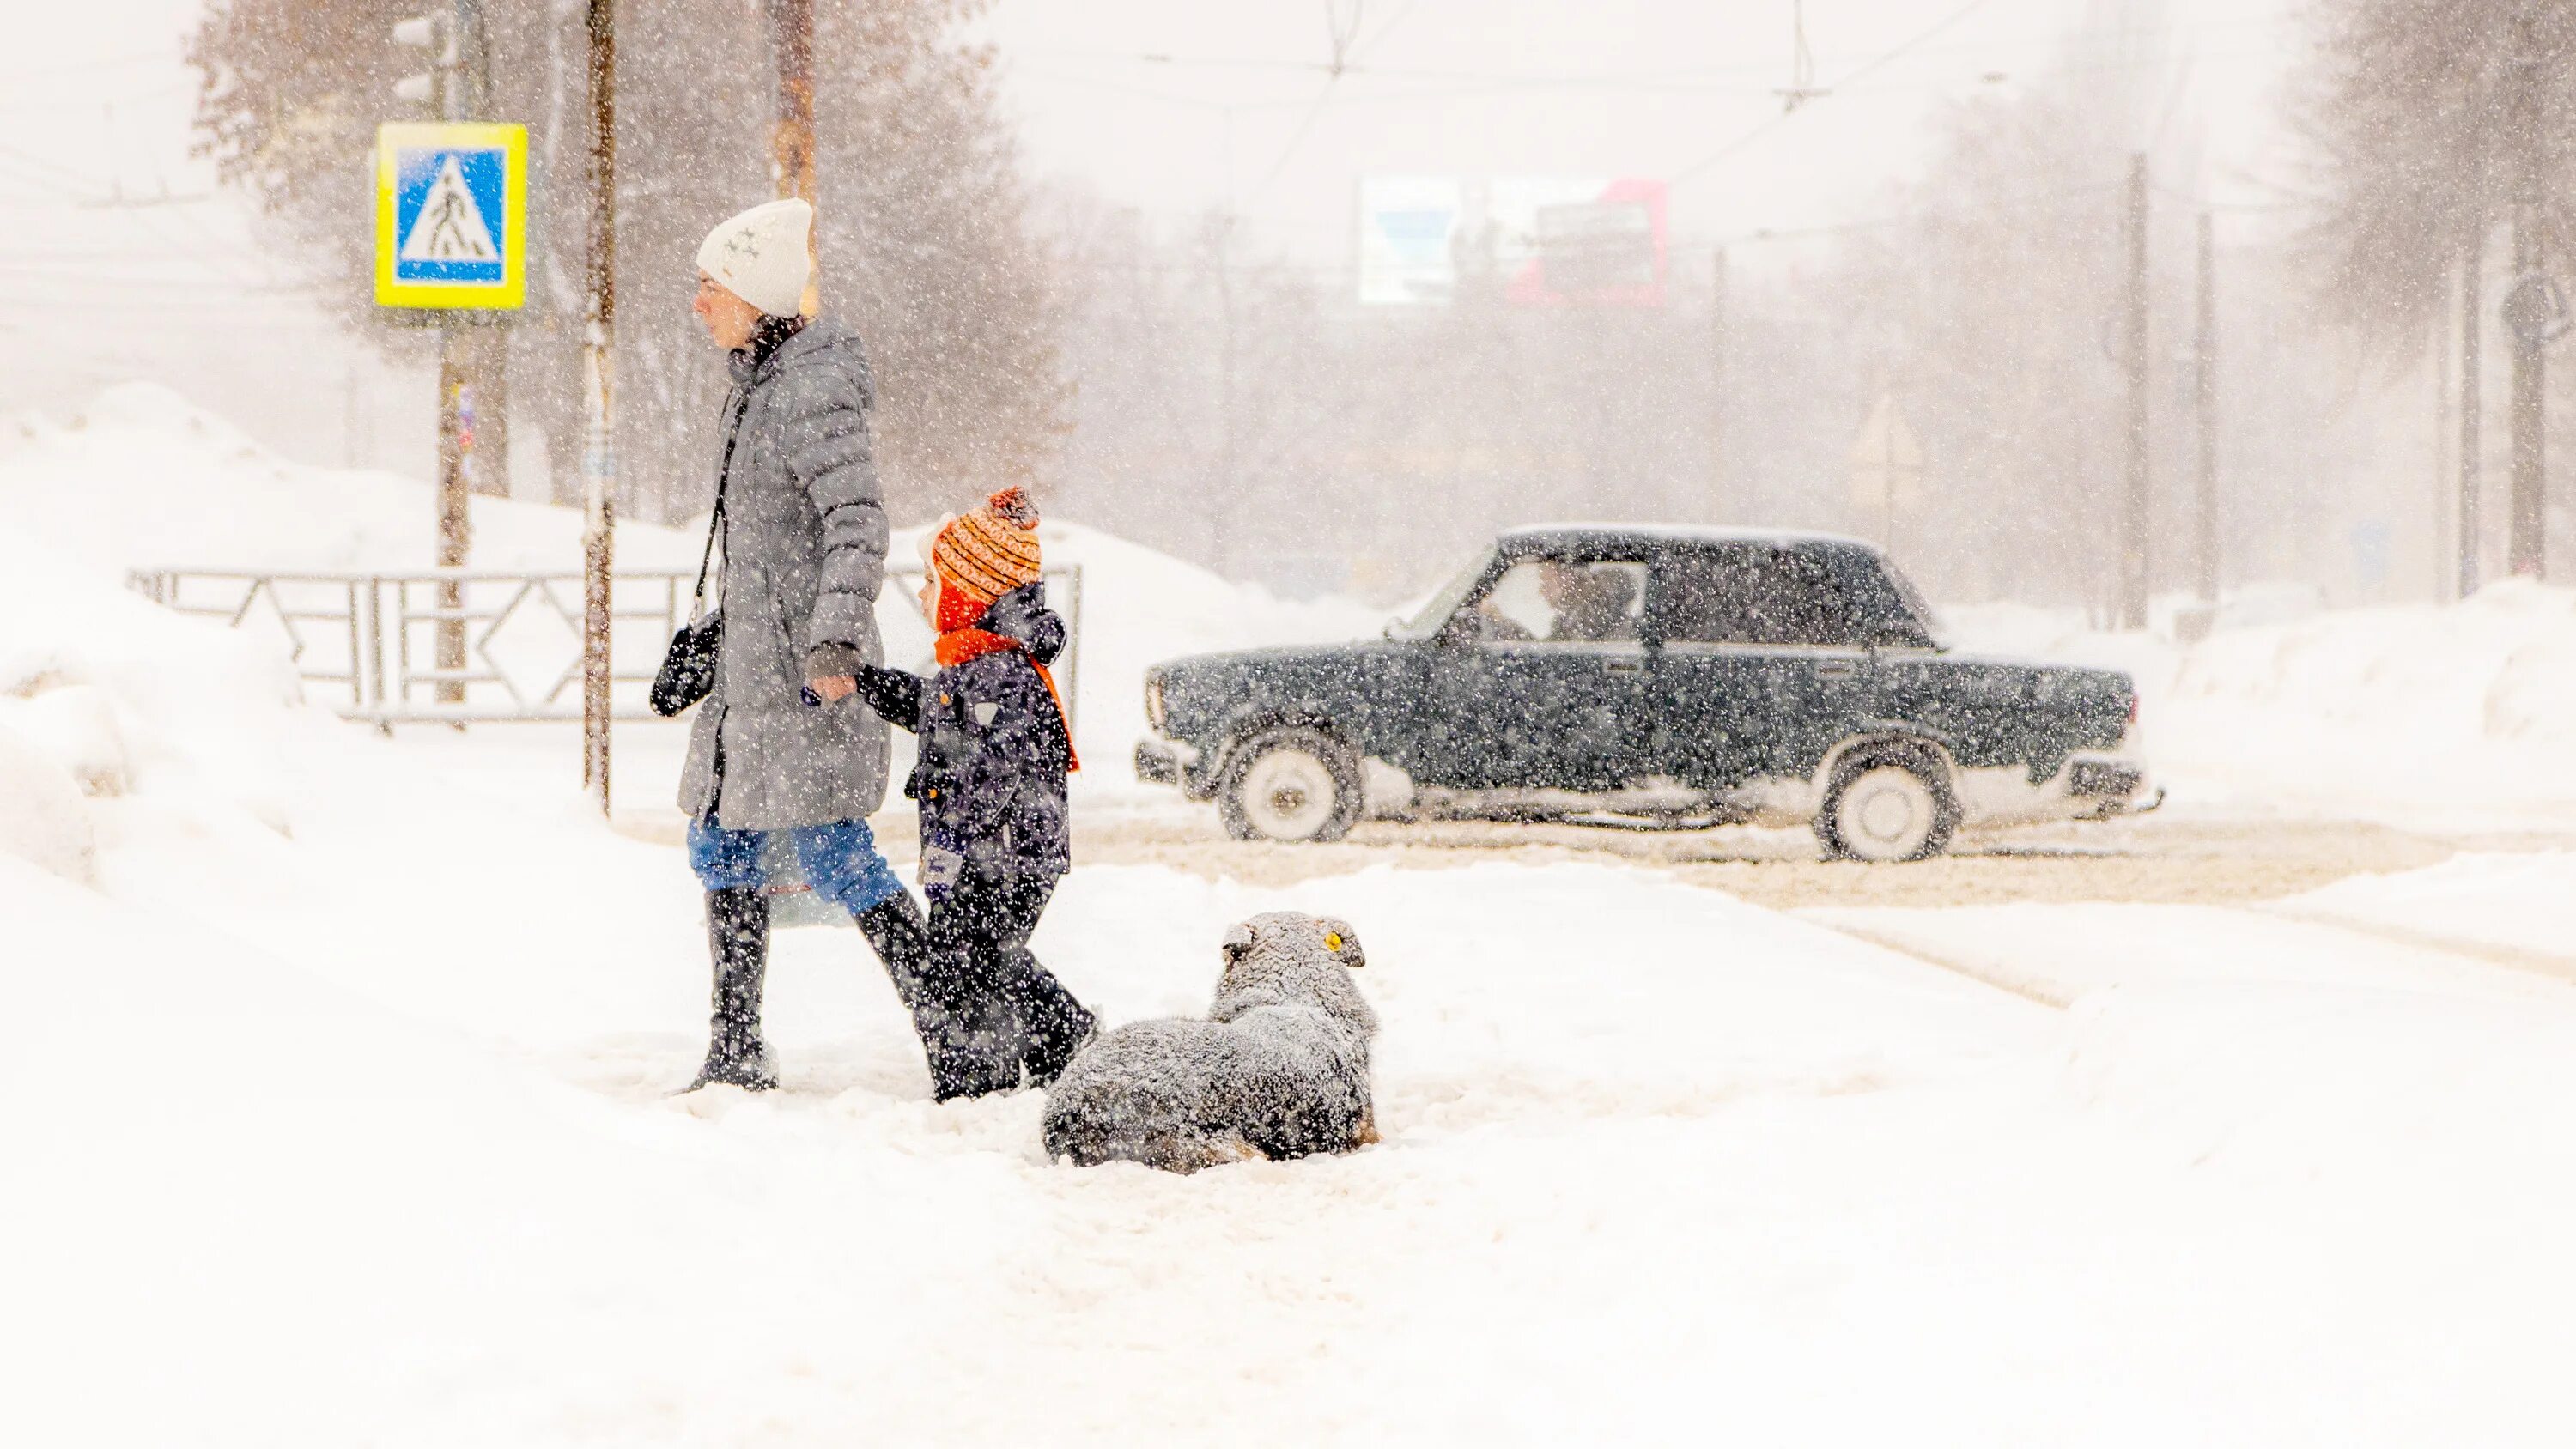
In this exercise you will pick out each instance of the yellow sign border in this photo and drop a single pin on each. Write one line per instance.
(394, 138)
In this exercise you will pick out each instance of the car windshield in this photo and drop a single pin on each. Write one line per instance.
(1427, 620)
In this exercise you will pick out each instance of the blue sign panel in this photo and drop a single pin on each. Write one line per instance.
(449, 215)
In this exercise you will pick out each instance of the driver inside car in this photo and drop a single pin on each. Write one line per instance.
(1591, 604)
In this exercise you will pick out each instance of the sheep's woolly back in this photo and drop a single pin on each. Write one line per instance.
(1279, 1068)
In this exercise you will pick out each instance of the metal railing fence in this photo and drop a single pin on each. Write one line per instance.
(365, 642)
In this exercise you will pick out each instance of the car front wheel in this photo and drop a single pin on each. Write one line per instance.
(1888, 808)
(1292, 783)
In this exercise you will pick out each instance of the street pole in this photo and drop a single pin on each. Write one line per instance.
(455, 464)
(791, 137)
(1887, 533)
(598, 456)
(1718, 500)
(2133, 512)
(2528, 545)
(2446, 547)
(2472, 524)
(1228, 496)
(2205, 397)
(486, 357)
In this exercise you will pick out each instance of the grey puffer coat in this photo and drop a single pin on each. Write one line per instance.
(804, 555)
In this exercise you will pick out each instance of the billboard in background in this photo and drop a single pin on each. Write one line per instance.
(1528, 241)
(1410, 227)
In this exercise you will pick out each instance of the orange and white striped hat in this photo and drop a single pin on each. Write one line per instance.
(989, 551)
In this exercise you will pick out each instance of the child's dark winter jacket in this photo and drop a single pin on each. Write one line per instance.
(990, 774)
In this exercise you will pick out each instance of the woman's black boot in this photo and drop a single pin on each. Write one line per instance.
(738, 939)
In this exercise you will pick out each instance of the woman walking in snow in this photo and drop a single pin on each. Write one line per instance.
(995, 836)
(803, 528)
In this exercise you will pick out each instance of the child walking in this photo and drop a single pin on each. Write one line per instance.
(995, 749)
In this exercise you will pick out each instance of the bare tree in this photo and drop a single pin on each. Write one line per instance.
(923, 237)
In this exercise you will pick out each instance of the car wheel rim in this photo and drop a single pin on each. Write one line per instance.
(1288, 795)
(1886, 814)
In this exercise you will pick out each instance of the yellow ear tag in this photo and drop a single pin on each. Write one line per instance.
(1332, 940)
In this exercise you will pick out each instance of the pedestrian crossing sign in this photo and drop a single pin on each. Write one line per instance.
(451, 216)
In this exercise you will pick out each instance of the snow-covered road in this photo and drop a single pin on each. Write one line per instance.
(359, 1135)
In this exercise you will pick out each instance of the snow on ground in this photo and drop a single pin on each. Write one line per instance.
(338, 1068)
(2459, 716)
(2519, 903)
(344, 1089)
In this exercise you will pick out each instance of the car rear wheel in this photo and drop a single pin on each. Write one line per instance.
(1888, 807)
(1291, 783)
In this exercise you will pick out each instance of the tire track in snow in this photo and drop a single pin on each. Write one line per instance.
(2056, 955)
(2560, 968)
(1984, 974)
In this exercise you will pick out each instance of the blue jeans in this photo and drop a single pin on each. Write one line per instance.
(840, 861)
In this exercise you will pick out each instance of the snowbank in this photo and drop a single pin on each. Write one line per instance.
(2459, 714)
(2517, 903)
(141, 478)
(42, 818)
(118, 696)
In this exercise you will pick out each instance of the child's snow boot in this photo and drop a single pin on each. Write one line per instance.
(960, 1064)
(1057, 1024)
(738, 938)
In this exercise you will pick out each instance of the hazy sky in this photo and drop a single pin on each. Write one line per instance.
(101, 280)
(1245, 113)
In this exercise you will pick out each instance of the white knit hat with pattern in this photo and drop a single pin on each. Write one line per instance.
(760, 255)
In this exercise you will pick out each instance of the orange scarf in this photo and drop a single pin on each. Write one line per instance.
(956, 646)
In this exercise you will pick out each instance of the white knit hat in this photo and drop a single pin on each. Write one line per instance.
(760, 255)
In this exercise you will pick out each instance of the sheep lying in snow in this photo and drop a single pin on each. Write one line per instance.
(1279, 1068)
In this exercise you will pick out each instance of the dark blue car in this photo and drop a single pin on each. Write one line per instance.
(1679, 676)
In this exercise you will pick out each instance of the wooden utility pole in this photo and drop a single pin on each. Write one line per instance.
(2527, 546)
(1719, 503)
(2134, 577)
(791, 136)
(2472, 521)
(2205, 400)
(599, 455)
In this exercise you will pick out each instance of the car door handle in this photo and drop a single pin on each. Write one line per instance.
(1836, 669)
(1625, 666)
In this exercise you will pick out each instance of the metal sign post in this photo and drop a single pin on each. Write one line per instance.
(451, 248)
(598, 454)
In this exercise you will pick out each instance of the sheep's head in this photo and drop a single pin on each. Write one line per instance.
(1289, 958)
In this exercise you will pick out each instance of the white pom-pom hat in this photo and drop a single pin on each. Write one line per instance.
(760, 255)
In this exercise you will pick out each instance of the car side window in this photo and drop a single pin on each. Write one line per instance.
(1755, 595)
(1552, 601)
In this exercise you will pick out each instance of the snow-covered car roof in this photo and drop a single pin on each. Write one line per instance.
(1620, 534)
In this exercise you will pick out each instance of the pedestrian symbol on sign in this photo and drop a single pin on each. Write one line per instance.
(450, 216)
(449, 226)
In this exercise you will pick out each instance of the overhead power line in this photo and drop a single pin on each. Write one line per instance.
(1701, 166)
